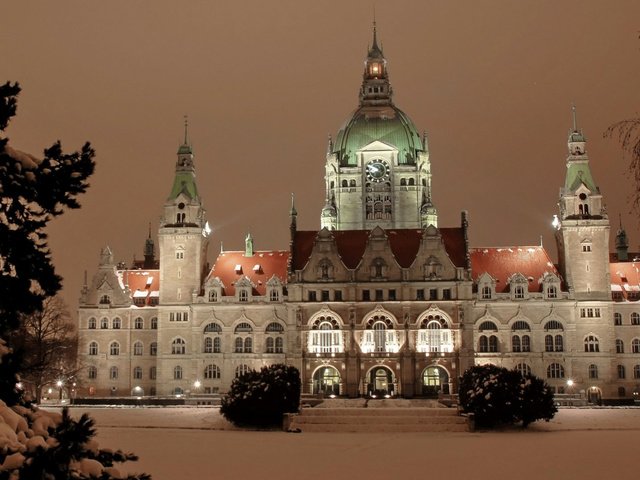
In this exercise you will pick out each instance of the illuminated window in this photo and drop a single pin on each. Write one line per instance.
(591, 344)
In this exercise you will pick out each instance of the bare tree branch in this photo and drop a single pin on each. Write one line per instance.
(628, 134)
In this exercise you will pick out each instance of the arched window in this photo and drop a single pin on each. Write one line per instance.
(211, 372)
(434, 335)
(274, 327)
(617, 318)
(239, 348)
(488, 326)
(344, 183)
(241, 370)
(635, 318)
(137, 348)
(105, 300)
(114, 348)
(403, 182)
(635, 345)
(279, 345)
(325, 336)
(213, 295)
(619, 346)
(483, 344)
(137, 373)
(93, 348)
(217, 345)
(593, 371)
(92, 323)
(116, 323)
(271, 345)
(212, 328)
(412, 182)
(520, 342)
(153, 349)
(178, 346)
(493, 344)
(113, 373)
(559, 343)
(92, 373)
(177, 372)
(523, 369)
(154, 323)
(636, 372)
(138, 323)
(352, 183)
(152, 373)
(104, 323)
(248, 345)
(515, 343)
(555, 370)
(243, 327)
(208, 345)
(591, 344)
(621, 372)
(553, 325)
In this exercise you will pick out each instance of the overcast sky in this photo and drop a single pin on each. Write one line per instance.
(264, 83)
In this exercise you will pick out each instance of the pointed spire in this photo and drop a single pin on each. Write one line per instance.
(329, 145)
(575, 122)
(293, 212)
(622, 243)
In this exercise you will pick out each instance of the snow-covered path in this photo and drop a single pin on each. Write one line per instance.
(178, 444)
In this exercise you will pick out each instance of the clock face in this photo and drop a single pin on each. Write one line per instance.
(377, 171)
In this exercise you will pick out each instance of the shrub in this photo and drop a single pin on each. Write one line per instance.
(260, 399)
(497, 396)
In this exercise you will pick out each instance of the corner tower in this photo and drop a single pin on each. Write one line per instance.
(377, 171)
(582, 233)
(183, 234)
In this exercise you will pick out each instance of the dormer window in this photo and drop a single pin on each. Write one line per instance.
(519, 286)
(486, 293)
(518, 292)
(243, 295)
(105, 300)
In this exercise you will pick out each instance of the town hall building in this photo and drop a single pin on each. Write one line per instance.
(381, 300)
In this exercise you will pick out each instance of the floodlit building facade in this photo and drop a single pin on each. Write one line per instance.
(381, 300)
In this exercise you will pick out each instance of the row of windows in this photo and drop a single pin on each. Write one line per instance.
(552, 343)
(210, 372)
(116, 323)
(635, 346)
(519, 292)
(211, 345)
(243, 295)
(635, 318)
(518, 325)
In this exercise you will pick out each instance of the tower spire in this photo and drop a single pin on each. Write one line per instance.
(573, 114)
(186, 130)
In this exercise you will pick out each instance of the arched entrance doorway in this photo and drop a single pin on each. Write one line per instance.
(326, 380)
(594, 396)
(435, 380)
(380, 382)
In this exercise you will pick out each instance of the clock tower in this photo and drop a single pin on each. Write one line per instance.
(378, 171)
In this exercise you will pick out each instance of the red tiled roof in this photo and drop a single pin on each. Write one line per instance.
(270, 262)
(404, 243)
(625, 278)
(141, 281)
(501, 263)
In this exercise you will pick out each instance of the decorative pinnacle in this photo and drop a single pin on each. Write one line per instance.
(186, 129)
(573, 113)
(293, 212)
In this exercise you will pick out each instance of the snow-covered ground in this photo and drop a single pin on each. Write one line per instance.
(196, 443)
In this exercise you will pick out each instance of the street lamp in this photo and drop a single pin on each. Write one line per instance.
(59, 385)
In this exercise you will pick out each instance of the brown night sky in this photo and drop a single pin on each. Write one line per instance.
(264, 83)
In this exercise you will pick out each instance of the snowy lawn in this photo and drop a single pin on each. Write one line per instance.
(196, 443)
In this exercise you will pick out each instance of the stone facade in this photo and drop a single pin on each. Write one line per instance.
(381, 300)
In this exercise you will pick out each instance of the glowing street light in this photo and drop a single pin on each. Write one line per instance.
(59, 385)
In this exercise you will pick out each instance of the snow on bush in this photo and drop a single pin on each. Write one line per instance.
(36, 444)
(261, 398)
(497, 396)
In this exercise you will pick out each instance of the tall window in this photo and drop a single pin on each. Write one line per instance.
(486, 293)
(593, 371)
(154, 323)
(635, 318)
(152, 373)
(241, 370)
(137, 373)
(591, 344)
(113, 373)
(523, 369)
(137, 348)
(92, 323)
(635, 345)
(617, 318)
(621, 372)
(520, 341)
(92, 373)
(636, 371)
(239, 347)
(325, 336)
(208, 345)
(116, 323)
(211, 372)
(153, 349)
(138, 323)
(178, 346)
(93, 348)
(104, 323)
(177, 372)
(114, 348)
(619, 346)
(555, 370)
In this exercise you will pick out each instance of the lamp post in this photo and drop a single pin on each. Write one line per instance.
(59, 385)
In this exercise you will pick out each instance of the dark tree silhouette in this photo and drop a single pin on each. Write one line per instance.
(628, 133)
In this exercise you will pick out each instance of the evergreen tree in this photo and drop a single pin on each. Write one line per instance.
(38, 444)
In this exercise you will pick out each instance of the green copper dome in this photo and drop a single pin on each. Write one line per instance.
(387, 124)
